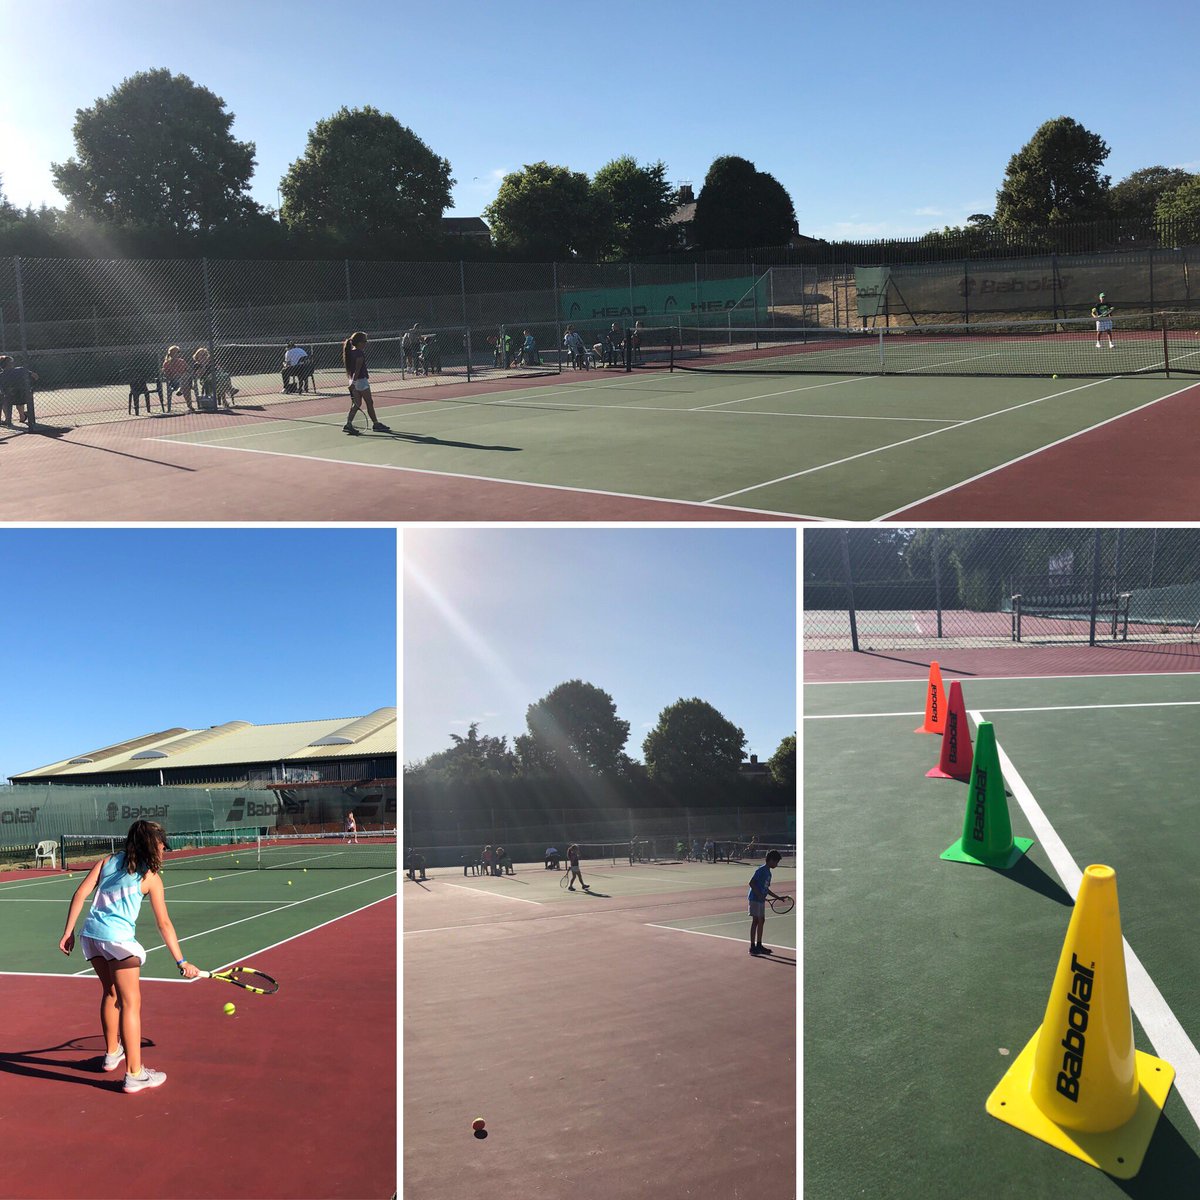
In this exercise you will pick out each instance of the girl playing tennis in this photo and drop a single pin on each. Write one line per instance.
(573, 868)
(760, 893)
(354, 359)
(109, 942)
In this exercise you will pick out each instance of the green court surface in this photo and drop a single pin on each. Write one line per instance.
(223, 920)
(924, 978)
(855, 448)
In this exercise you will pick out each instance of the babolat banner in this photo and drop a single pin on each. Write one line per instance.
(32, 812)
(693, 302)
(1050, 285)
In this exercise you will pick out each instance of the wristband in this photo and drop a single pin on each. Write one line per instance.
(180, 961)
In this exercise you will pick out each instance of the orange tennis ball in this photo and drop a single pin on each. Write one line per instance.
(478, 1123)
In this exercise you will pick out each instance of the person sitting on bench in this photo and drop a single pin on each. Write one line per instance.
(176, 377)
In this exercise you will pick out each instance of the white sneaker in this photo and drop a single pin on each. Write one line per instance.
(147, 1079)
(113, 1061)
(1098, 346)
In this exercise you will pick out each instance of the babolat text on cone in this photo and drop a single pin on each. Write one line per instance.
(1079, 1084)
(935, 703)
(955, 759)
(987, 839)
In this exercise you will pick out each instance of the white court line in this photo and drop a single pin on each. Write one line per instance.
(1030, 454)
(1000, 412)
(191, 937)
(1160, 1023)
(514, 483)
(176, 900)
(485, 892)
(724, 937)
(1040, 708)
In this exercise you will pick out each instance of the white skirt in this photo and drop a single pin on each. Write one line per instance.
(113, 951)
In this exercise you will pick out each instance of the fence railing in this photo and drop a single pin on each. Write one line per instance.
(908, 588)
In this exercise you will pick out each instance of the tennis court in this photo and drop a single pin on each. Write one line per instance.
(614, 1041)
(925, 978)
(652, 444)
(293, 1095)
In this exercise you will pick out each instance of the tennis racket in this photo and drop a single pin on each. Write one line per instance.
(783, 904)
(245, 977)
(565, 881)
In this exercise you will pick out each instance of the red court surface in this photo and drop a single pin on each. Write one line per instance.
(843, 666)
(1144, 466)
(611, 1060)
(294, 1096)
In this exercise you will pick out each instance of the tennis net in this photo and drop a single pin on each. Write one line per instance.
(244, 850)
(1148, 344)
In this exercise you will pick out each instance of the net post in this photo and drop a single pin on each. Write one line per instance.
(1016, 617)
(627, 349)
(937, 582)
(1166, 350)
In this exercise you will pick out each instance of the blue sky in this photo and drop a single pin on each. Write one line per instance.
(495, 618)
(879, 118)
(109, 634)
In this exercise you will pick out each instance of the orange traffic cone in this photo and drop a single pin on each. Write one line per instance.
(1079, 1084)
(955, 759)
(935, 703)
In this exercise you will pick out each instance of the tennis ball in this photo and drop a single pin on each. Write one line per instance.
(230, 1009)
(478, 1123)
(210, 879)
(1053, 376)
(289, 883)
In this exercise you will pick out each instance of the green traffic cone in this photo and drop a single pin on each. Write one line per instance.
(987, 838)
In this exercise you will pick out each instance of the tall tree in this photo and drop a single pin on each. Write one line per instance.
(1182, 208)
(574, 730)
(363, 176)
(783, 763)
(1054, 177)
(740, 206)
(693, 744)
(1137, 195)
(640, 200)
(158, 152)
(545, 212)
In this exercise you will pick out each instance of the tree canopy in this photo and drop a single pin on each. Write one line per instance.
(1182, 208)
(639, 200)
(158, 152)
(1138, 194)
(693, 744)
(783, 762)
(468, 759)
(740, 206)
(363, 176)
(574, 730)
(548, 213)
(1055, 177)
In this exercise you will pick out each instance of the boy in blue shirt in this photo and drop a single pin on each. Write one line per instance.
(760, 893)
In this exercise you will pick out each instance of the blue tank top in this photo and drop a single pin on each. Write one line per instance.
(116, 903)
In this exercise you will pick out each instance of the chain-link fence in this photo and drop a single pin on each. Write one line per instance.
(879, 589)
(97, 334)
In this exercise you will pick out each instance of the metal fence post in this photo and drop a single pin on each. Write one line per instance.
(462, 284)
(349, 305)
(845, 540)
(21, 308)
(210, 316)
(937, 580)
(1095, 588)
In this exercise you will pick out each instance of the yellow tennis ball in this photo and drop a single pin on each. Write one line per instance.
(306, 870)
(289, 883)
(210, 879)
(230, 1009)
(478, 1123)
(1053, 376)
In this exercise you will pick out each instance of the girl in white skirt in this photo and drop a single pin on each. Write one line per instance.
(109, 942)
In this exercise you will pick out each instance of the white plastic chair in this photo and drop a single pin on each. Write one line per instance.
(46, 851)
